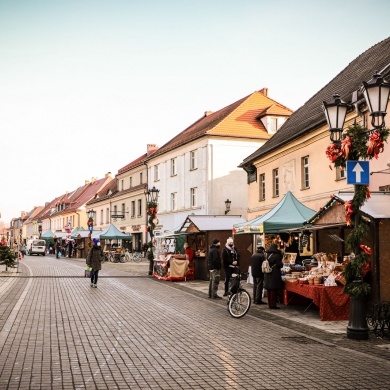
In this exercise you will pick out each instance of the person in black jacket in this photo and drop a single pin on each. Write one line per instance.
(258, 276)
(230, 258)
(273, 281)
(214, 266)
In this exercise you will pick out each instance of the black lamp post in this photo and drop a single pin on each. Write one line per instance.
(376, 93)
(227, 204)
(91, 216)
(151, 210)
(39, 228)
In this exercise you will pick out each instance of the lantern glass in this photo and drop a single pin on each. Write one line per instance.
(91, 213)
(335, 112)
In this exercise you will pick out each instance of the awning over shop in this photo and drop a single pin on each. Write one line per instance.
(288, 213)
(48, 236)
(202, 223)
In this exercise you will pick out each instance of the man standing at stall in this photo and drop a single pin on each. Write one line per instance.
(214, 266)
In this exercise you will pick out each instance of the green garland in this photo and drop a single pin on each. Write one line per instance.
(353, 146)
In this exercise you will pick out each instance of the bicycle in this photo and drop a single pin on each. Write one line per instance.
(131, 256)
(239, 300)
(112, 257)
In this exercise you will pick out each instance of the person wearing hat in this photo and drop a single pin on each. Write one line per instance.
(258, 275)
(94, 260)
(214, 266)
(230, 259)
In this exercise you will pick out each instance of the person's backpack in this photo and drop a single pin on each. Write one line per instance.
(265, 267)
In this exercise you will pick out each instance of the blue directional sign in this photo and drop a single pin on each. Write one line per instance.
(358, 172)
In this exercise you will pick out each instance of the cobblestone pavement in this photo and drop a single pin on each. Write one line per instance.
(136, 332)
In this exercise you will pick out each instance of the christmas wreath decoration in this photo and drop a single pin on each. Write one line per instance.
(357, 143)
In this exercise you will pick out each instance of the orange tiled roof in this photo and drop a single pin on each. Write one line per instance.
(239, 120)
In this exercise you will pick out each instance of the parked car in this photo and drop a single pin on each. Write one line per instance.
(36, 247)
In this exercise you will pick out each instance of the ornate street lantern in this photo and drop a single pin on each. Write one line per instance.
(227, 204)
(376, 92)
(335, 112)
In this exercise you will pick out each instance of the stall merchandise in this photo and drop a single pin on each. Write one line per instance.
(172, 267)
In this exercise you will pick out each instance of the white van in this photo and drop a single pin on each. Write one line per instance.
(36, 247)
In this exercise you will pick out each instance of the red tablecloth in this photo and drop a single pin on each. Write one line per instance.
(332, 302)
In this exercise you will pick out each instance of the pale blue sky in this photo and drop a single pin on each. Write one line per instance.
(85, 85)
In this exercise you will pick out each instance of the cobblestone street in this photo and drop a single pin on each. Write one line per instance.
(135, 332)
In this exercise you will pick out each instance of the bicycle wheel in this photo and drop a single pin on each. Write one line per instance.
(126, 257)
(239, 304)
(137, 257)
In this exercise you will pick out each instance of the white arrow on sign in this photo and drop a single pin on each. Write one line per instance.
(358, 172)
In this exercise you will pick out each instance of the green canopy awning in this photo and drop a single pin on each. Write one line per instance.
(113, 233)
(288, 213)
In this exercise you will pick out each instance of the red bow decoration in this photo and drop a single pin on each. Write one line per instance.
(366, 249)
(333, 152)
(375, 144)
(348, 211)
(346, 146)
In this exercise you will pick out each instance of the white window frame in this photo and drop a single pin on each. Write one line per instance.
(275, 181)
(262, 187)
(305, 172)
(156, 173)
(173, 201)
(173, 166)
(193, 193)
(193, 160)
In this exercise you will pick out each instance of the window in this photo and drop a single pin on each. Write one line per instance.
(193, 197)
(173, 167)
(122, 185)
(131, 182)
(262, 186)
(123, 210)
(275, 124)
(173, 201)
(107, 215)
(275, 177)
(340, 173)
(101, 216)
(305, 172)
(193, 164)
(115, 210)
(156, 174)
(140, 178)
(139, 207)
(133, 209)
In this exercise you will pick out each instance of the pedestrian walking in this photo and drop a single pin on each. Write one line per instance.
(230, 259)
(58, 249)
(258, 275)
(94, 260)
(214, 266)
(273, 280)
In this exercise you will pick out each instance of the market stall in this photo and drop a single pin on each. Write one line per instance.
(320, 281)
(171, 267)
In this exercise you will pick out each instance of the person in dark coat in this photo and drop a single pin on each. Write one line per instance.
(94, 260)
(230, 258)
(214, 266)
(258, 276)
(273, 281)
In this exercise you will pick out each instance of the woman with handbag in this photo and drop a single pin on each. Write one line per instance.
(94, 260)
(273, 280)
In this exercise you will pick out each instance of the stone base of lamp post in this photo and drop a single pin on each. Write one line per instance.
(357, 328)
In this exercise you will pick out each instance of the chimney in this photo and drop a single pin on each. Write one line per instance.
(207, 113)
(150, 148)
(86, 182)
(108, 174)
(93, 180)
(264, 91)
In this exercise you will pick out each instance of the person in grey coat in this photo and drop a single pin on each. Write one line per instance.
(273, 281)
(94, 260)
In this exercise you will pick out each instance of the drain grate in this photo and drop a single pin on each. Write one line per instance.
(301, 340)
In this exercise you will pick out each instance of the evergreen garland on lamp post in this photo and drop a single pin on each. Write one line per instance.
(354, 144)
(151, 210)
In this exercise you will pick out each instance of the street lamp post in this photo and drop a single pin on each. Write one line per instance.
(351, 145)
(91, 215)
(151, 210)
